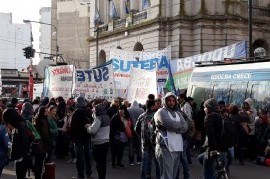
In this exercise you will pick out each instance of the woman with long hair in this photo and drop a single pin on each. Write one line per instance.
(20, 141)
(42, 126)
(120, 125)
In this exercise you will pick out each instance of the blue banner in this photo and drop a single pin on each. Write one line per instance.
(180, 66)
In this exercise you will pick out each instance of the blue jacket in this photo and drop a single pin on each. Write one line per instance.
(4, 139)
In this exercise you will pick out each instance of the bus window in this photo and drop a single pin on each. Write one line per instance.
(221, 91)
(260, 93)
(200, 92)
(238, 93)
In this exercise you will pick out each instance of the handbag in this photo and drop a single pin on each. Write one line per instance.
(128, 129)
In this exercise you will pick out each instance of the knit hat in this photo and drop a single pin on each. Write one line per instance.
(80, 102)
(211, 104)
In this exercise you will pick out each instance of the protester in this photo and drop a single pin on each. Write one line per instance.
(27, 111)
(78, 133)
(66, 130)
(213, 128)
(120, 122)
(20, 141)
(169, 143)
(42, 126)
(142, 128)
(100, 130)
(134, 143)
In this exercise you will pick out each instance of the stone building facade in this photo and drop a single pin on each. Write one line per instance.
(190, 26)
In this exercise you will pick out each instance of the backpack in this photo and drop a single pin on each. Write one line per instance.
(146, 125)
(32, 132)
(152, 128)
(229, 133)
(53, 128)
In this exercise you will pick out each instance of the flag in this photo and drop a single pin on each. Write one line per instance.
(169, 82)
(146, 4)
(126, 8)
(113, 13)
(97, 19)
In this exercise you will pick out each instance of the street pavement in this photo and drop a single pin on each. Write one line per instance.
(66, 170)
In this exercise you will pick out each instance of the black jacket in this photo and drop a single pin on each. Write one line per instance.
(213, 130)
(80, 118)
(20, 142)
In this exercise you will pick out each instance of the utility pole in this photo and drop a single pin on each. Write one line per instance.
(250, 21)
(97, 36)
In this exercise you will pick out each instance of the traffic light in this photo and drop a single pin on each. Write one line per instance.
(29, 52)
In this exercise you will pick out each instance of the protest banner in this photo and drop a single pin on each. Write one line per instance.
(182, 68)
(94, 83)
(142, 83)
(123, 61)
(58, 81)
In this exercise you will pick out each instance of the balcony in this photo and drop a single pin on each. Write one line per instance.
(103, 28)
(119, 23)
(138, 17)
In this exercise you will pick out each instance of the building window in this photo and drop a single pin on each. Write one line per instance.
(101, 57)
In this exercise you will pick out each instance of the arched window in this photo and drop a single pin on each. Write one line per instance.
(261, 43)
(138, 47)
(118, 47)
(101, 57)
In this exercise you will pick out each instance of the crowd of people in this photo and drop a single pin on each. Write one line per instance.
(165, 131)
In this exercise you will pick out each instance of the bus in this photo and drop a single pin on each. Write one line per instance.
(232, 82)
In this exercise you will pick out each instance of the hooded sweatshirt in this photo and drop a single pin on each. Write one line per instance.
(135, 111)
(252, 115)
(100, 128)
(164, 120)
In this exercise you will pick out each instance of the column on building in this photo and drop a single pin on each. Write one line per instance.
(134, 5)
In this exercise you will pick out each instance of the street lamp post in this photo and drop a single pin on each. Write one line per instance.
(56, 39)
(250, 21)
(97, 34)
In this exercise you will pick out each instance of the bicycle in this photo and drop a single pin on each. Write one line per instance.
(219, 166)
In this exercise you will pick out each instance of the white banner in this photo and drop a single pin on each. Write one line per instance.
(94, 83)
(141, 84)
(124, 60)
(58, 81)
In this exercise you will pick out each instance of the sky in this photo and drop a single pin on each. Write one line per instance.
(26, 9)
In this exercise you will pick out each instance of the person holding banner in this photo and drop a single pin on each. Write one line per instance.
(170, 125)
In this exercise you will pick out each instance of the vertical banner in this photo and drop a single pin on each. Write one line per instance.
(94, 83)
(182, 68)
(141, 84)
(123, 61)
(58, 81)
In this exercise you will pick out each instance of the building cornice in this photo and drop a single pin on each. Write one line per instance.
(172, 20)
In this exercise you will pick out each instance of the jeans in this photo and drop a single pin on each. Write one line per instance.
(184, 160)
(168, 162)
(135, 146)
(38, 165)
(230, 157)
(21, 168)
(117, 149)
(100, 156)
(147, 156)
(83, 162)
